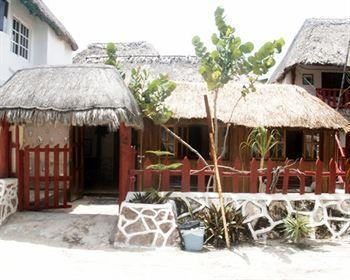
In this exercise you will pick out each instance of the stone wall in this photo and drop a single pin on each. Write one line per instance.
(328, 214)
(8, 198)
(145, 225)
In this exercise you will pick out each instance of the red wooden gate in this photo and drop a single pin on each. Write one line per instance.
(44, 179)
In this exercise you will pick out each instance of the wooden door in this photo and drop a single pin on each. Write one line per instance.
(77, 163)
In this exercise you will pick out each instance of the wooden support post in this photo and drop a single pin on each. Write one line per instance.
(216, 169)
(124, 150)
(4, 149)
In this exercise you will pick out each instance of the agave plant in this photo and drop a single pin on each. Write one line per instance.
(296, 228)
(214, 228)
(151, 196)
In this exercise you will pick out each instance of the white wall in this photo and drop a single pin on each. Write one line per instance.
(45, 46)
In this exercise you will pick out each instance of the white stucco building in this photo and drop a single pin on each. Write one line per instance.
(31, 35)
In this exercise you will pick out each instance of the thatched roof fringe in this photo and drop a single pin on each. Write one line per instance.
(72, 94)
(94, 117)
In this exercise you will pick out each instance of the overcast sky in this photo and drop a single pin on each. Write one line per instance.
(170, 25)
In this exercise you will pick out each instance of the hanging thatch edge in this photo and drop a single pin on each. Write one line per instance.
(112, 117)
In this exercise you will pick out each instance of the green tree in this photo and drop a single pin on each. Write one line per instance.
(112, 59)
(229, 60)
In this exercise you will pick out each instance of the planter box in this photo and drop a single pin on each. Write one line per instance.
(147, 226)
(8, 198)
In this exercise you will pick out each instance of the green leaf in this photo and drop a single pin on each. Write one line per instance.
(247, 47)
(214, 38)
(160, 153)
(174, 166)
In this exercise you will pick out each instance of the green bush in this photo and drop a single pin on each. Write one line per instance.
(296, 228)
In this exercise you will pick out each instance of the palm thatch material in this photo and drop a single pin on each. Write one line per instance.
(40, 10)
(269, 106)
(72, 95)
(142, 54)
(319, 41)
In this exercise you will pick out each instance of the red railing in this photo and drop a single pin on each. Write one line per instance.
(289, 179)
(331, 97)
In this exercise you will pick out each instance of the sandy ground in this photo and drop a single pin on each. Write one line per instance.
(74, 244)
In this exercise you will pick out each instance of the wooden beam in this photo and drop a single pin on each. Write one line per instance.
(4, 149)
(124, 160)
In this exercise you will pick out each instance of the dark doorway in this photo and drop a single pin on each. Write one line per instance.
(294, 144)
(333, 80)
(101, 158)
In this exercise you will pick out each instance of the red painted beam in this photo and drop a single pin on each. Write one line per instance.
(4, 149)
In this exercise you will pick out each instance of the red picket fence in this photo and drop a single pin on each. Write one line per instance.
(331, 97)
(43, 176)
(290, 179)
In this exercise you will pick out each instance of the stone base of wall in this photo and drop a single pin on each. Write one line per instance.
(8, 198)
(145, 225)
(328, 214)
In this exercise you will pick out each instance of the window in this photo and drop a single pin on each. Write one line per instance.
(294, 144)
(4, 6)
(308, 79)
(168, 141)
(196, 136)
(20, 39)
(311, 145)
(278, 151)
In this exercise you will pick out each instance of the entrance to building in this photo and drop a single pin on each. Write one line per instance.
(101, 161)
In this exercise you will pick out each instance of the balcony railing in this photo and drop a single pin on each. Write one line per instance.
(331, 97)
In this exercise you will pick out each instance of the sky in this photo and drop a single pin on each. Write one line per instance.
(171, 25)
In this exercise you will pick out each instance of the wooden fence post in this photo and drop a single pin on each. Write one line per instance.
(47, 176)
(253, 176)
(347, 180)
(201, 176)
(186, 178)
(37, 177)
(147, 178)
(301, 177)
(318, 177)
(285, 180)
(4, 149)
(269, 176)
(56, 173)
(332, 176)
(238, 166)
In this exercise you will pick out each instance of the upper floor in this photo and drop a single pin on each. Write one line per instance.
(31, 35)
(318, 60)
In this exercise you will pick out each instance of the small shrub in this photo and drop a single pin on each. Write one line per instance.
(296, 228)
(214, 227)
(151, 196)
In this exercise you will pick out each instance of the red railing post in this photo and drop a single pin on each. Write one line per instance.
(201, 176)
(347, 180)
(285, 180)
(37, 178)
(238, 166)
(124, 158)
(332, 176)
(65, 174)
(147, 174)
(26, 178)
(47, 176)
(186, 177)
(318, 177)
(269, 175)
(165, 179)
(253, 176)
(301, 177)
(56, 168)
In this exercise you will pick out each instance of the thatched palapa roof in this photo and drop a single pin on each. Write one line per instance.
(133, 54)
(320, 42)
(75, 95)
(270, 106)
(40, 10)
